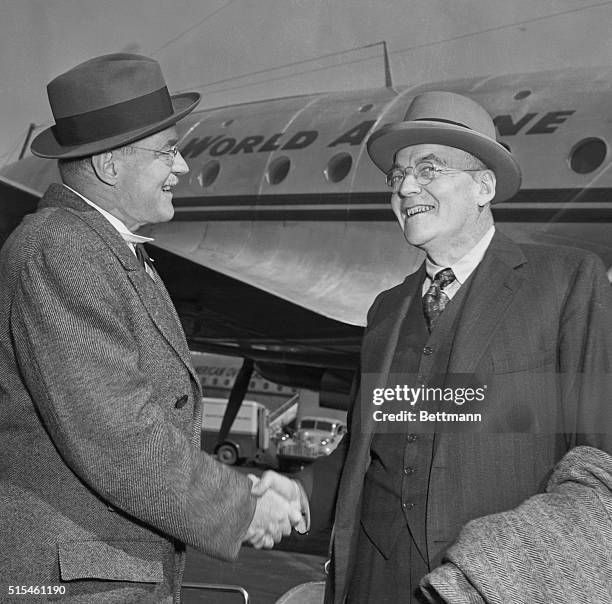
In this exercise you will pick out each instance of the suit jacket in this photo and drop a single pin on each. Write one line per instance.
(536, 324)
(102, 480)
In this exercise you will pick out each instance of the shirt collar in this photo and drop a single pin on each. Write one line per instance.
(465, 266)
(125, 233)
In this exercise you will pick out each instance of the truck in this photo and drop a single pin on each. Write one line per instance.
(248, 437)
(252, 432)
(314, 437)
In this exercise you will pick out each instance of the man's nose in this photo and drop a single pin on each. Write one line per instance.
(179, 166)
(409, 185)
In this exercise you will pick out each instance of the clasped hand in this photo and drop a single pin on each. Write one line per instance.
(279, 509)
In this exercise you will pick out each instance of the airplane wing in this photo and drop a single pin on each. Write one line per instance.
(290, 344)
(283, 234)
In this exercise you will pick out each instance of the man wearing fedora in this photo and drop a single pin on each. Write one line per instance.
(102, 480)
(532, 323)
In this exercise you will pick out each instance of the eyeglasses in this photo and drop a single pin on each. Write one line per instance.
(423, 172)
(169, 154)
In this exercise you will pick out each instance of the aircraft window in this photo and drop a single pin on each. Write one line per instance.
(208, 174)
(278, 170)
(365, 108)
(587, 155)
(523, 94)
(338, 167)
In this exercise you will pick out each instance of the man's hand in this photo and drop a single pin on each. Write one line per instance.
(289, 489)
(275, 515)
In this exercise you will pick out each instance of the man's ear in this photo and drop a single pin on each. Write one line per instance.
(105, 167)
(486, 187)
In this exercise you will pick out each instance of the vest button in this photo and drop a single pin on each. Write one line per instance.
(408, 505)
(427, 350)
(181, 401)
(408, 471)
(411, 438)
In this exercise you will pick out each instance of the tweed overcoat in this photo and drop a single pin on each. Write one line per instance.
(102, 480)
(536, 324)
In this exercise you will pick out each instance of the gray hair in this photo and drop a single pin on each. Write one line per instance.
(75, 169)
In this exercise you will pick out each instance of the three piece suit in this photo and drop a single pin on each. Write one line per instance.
(102, 481)
(532, 322)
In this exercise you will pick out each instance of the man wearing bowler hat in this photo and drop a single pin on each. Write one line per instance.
(532, 323)
(102, 481)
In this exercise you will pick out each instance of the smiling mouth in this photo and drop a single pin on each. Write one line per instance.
(420, 209)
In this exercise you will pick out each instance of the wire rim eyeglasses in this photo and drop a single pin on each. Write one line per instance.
(170, 153)
(423, 173)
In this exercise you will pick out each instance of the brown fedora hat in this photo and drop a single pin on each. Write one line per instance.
(454, 120)
(108, 102)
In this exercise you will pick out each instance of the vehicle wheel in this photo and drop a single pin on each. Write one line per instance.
(227, 454)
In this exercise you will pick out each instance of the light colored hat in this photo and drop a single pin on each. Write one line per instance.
(454, 120)
(108, 102)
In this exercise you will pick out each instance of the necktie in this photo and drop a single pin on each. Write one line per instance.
(435, 300)
(143, 257)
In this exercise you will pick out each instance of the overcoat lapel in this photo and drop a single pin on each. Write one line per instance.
(153, 295)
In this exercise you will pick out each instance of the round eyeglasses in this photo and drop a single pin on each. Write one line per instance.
(423, 173)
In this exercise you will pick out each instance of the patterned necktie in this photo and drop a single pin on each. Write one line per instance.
(435, 300)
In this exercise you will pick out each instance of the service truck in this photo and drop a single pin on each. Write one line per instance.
(248, 438)
(252, 432)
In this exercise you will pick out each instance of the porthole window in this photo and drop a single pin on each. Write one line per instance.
(365, 108)
(523, 94)
(278, 170)
(208, 174)
(338, 167)
(587, 155)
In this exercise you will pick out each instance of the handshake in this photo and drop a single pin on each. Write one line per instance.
(281, 505)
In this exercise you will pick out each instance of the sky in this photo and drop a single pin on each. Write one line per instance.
(241, 50)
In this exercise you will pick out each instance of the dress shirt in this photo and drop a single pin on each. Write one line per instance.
(462, 269)
(127, 235)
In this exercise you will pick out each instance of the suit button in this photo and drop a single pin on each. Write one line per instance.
(411, 438)
(181, 401)
(408, 505)
(427, 350)
(408, 471)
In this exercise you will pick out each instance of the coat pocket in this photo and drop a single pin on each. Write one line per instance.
(523, 361)
(138, 561)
